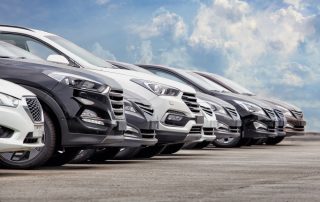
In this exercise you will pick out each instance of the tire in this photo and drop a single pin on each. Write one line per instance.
(274, 141)
(227, 142)
(127, 153)
(104, 154)
(36, 157)
(150, 151)
(61, 158)
(172, 148)
(83, 156)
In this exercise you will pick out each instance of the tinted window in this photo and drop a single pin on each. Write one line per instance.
(167, 75)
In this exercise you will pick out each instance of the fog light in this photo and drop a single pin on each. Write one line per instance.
(129, 108)
(222, 126)
(173, 117)
(91, 117)
(260, 126)
(288, 125)
(131, 132)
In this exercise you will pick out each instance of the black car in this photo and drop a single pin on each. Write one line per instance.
(259, 121)
(140, 133)
(229, 122)
(81, 109)
(294, 116)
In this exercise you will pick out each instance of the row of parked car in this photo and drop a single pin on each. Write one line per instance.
(71, 106)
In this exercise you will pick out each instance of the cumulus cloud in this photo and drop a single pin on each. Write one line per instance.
(99, 51)
(248, 38)
(145, 53)
(163, 22)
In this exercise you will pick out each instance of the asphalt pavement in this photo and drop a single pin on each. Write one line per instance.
(287, 172)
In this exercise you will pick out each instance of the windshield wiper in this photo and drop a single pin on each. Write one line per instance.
(249, 94)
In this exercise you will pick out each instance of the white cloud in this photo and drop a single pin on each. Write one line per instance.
(249, 39)
(99, 51)
(102, 2)
(163, 22)
(145, 53)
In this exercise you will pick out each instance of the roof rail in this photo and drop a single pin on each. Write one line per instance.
(13, 26)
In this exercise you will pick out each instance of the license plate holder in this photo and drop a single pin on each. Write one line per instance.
(200, 119)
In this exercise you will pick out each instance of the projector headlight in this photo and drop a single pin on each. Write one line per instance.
(218, 109)
(157, 88)
(8, 101)
(78, 82)
(285, 111)
(250, 107)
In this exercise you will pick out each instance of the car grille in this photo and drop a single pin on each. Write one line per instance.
(145, 108)
(232, 112)
(207, 110)
(298, 115)
(191, 101)
(148, 134)
(116, 98)
(270, 113)
(35, 109)
(278, 113)
(208, 131)
(234, 129)
(195, 130)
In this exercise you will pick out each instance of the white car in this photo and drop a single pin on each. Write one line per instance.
(210, 124)
(21, 119)
(174, 103)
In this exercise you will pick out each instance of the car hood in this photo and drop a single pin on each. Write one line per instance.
(13, 90)
(210, 98)
(41, 66)
(280, 103)
(144, 76)
(232, 97)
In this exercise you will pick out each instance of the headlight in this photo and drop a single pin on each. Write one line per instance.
(8, 101)
(78, 82)
(218, 109)
(285, 111)
(128, 107)
(250, 107)
(157, 88)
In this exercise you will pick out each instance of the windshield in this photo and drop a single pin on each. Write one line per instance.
(203, 82)
(235, 86)
(80, 52)
(10, 51)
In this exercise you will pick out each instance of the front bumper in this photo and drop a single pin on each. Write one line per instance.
(115, 131)
(22, 128)
(231, 127)
(250, 130)
(295, 127)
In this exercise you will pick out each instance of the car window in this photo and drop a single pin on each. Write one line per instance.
(167, 75)
(29, 44)
(39, 49)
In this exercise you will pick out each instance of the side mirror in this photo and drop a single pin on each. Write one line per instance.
(58, 59)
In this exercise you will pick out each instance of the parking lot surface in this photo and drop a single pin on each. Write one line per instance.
(287, 172)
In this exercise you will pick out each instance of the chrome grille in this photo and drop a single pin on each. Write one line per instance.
(270, 113)
(278, 113)
(195, 130)
(145, 108)
(232, 112)
(207, 110)
(208, 131)
(35, 109)
(191, 101)
(298, 115)
(117, 104)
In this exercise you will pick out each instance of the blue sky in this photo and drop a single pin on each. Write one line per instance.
(271, 47)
